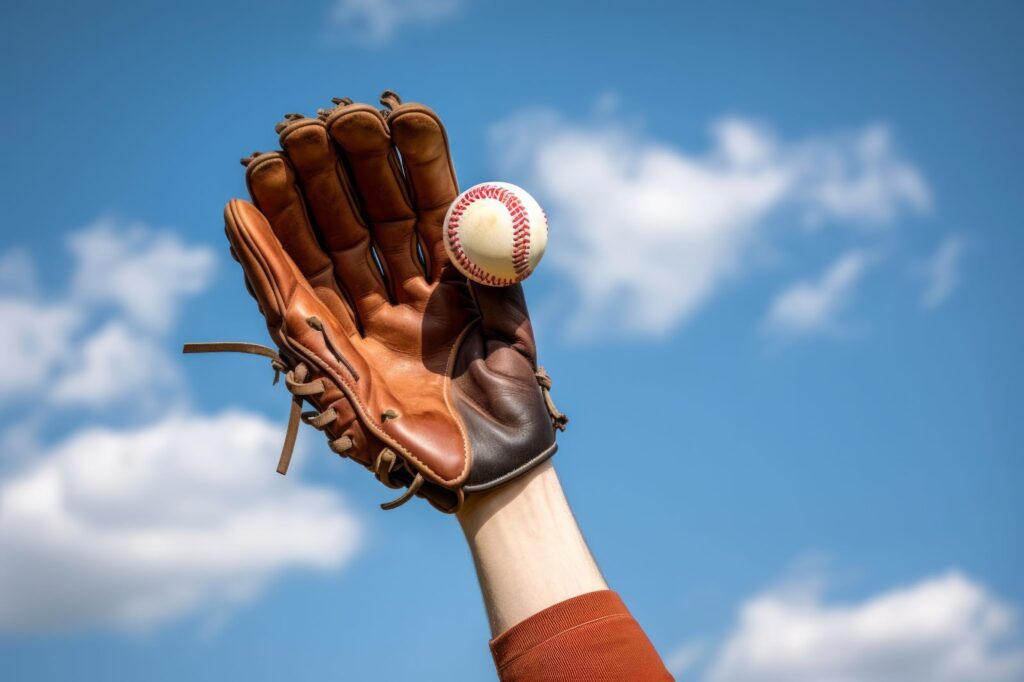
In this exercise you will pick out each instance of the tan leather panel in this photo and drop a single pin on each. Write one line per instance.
(436, 442)
(426, 429)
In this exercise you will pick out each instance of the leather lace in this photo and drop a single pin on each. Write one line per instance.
(296, 380)
(558, 418)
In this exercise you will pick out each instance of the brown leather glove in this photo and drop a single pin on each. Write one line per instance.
(428, 380)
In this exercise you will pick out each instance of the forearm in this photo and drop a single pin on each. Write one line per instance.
(551, 613)
(528, 550)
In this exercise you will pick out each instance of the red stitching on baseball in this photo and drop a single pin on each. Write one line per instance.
(520, 233)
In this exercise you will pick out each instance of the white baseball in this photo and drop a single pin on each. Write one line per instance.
(495, 233)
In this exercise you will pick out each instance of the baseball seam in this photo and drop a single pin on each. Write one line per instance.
(520, 233)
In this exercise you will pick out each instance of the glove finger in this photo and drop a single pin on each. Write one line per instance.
(503, 316)
(420, 137)
(334, 213)
(273, 186)
(274, 190)
(361, 133)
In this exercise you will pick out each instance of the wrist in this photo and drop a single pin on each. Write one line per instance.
(512, 498)
(527, 547)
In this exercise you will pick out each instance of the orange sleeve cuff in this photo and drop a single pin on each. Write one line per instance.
(589, 637)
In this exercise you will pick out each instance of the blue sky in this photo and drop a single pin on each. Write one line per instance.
(780, 304)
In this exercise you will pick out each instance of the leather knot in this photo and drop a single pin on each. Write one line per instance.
(390, 99)
(384, 465)
(559, 420)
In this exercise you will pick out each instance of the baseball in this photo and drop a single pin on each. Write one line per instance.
(495, 233)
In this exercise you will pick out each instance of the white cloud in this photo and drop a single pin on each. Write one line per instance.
(17, 272)
(128, 529)
(685, 657)
(943, 629)
(143, 271)
(859, 178)
(812, 307)
(376, 21)
(648, 232)
(99, 341)
(942, 272)
(34, 337)
(117, 364)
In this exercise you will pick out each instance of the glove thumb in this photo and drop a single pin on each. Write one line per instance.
(270, 273)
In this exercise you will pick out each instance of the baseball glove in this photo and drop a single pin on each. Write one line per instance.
(427, 379)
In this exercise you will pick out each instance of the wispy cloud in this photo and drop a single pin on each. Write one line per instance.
(648, 232)
(36, 336)
(114, 365)
(941, 272)
(128, 529)
(377, 21)
(860, 178)
(813, 307)
(146, 273)
(100, 341)
(684, 657)
(17, 272)
(947, 628)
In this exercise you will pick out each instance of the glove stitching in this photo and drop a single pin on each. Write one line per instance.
(363, 412)
(467, 452)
